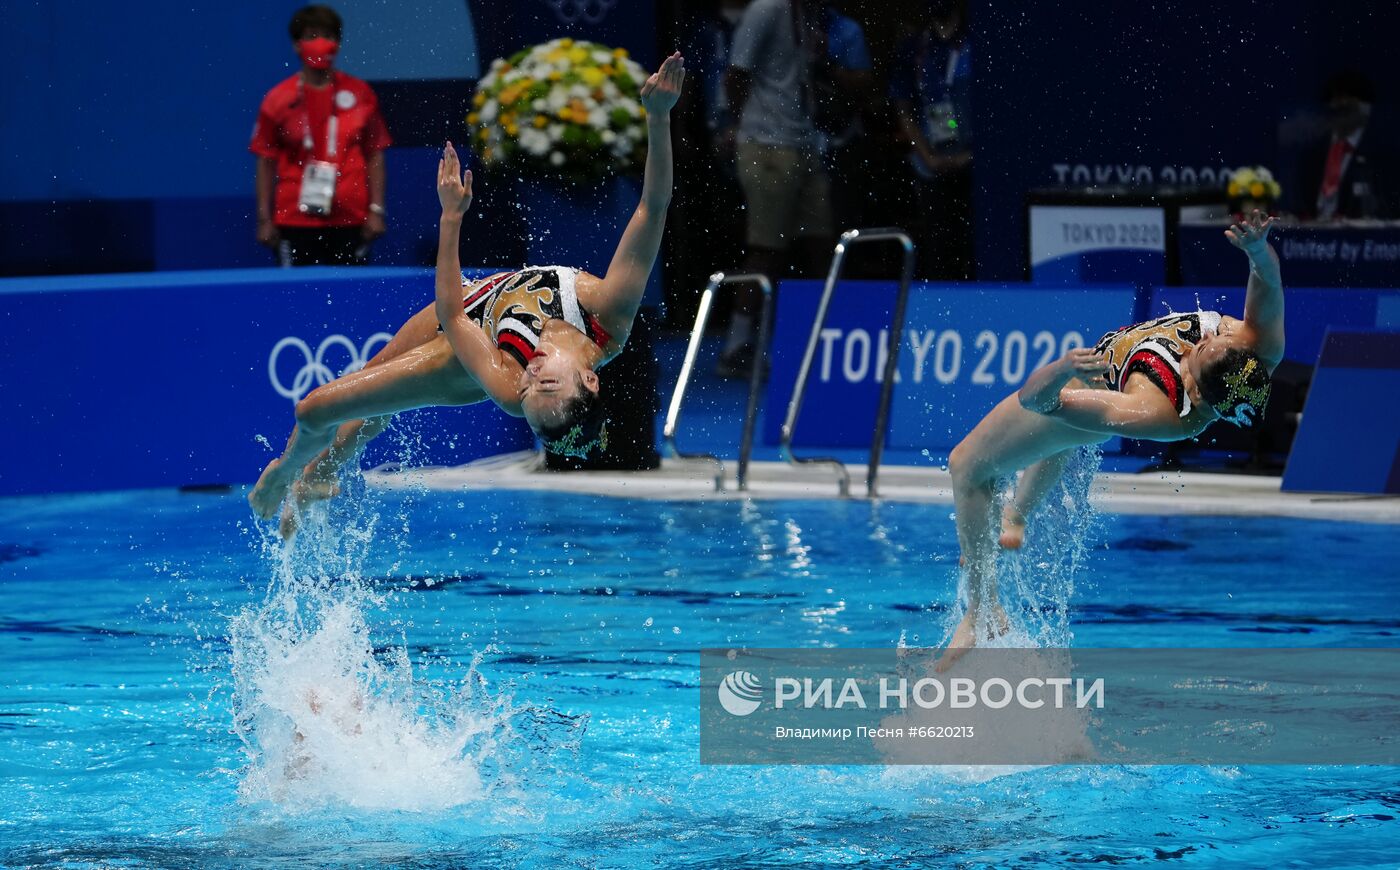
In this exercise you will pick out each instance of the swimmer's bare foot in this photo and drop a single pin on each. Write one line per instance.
(966, 635)
(305, 492)
(270, 489)
(1013, 528)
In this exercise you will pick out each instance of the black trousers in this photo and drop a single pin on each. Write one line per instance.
(321, 246)
(945, 226)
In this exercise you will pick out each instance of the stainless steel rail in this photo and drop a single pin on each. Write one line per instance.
(697, 333)
(882, 417)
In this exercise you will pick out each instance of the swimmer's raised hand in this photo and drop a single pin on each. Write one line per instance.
(453, 186)
(663, 88)
(1251, 235)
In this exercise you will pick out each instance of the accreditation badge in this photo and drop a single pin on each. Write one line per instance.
(940, 122)
(317, 188)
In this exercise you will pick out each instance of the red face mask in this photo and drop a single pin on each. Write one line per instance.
(318, 53)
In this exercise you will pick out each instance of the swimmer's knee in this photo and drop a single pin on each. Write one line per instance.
(960, 464)
(314, 413)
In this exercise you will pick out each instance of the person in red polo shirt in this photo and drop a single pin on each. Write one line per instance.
(320, 144)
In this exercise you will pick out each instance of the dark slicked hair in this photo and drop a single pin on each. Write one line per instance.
(583, 431)
(1237, 386)
(316, 16)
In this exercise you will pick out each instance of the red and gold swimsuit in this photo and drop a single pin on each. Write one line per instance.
(1155, 348)
(513, 306)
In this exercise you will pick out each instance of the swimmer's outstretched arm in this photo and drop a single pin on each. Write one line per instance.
(1103, 412)
(473, 348)
(621, 291)
(1263, 301)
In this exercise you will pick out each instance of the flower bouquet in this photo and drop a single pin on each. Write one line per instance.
(562, 109)
(1252, 187)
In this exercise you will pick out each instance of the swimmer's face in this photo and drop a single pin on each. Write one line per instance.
(1209, 350)
(551, 380)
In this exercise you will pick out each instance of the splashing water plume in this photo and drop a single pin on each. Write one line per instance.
(1035, 583)
(329, 718)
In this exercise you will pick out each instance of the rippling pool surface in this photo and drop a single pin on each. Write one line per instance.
(483, 679)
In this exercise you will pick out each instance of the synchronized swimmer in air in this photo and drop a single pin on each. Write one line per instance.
(529, 340)
(1162, 380)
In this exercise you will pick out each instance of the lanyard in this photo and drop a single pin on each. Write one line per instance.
(332, 125)
(800, 23)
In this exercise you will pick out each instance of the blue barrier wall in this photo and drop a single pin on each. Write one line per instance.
(1349, 438)
(180, 378)
(965, 347)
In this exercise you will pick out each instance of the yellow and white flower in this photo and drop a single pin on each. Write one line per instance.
(562, 107)
(1253, 182)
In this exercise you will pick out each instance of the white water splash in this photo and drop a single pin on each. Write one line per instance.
(329, 717)
(1036, 583)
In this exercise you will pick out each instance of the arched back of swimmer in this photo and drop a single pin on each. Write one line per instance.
(443, 356)
(1164, 380)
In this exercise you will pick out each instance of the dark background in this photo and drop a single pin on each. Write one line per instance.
(123, 129)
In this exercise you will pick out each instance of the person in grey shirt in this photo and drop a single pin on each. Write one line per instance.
(786, 191)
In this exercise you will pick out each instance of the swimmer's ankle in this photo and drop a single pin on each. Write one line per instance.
(1013, 528)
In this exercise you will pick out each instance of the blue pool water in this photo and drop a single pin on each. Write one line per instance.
(512, 679)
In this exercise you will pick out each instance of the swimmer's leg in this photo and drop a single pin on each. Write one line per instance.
(1036, 481)
(351, 439)
(1006, 440)
(425, 376)
(974, 500)
(319, 478)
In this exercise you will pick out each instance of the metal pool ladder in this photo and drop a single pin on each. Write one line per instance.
(697, 333)
(882, 417)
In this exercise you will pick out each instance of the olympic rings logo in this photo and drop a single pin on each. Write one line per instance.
(314, 372)
(587, 11)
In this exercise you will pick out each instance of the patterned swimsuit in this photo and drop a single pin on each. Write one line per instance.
(512, 308)
(1155, 349)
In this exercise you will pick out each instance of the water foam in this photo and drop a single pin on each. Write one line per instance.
(329, 717)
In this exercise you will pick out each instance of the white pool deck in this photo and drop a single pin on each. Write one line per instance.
(1147, 493)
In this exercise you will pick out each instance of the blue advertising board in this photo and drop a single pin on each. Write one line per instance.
(1308, 312)
(1349, 437)
(964, 348)
(186, 378)
(1310, 255)
(1088, 244)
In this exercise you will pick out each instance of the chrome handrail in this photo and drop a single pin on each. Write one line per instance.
(848, 239)
(697, 333)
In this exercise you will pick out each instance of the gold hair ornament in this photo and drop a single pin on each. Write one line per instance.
(1243, 402)
(568, 443)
